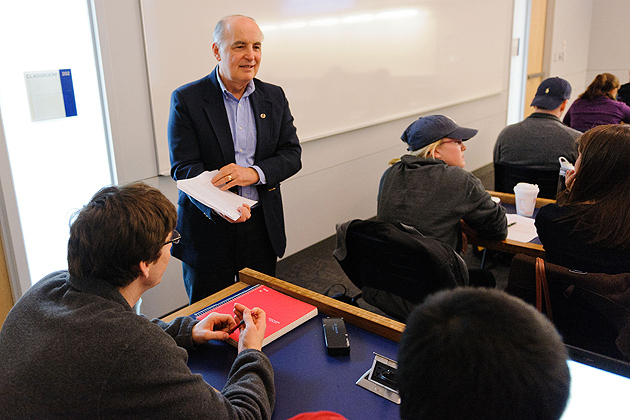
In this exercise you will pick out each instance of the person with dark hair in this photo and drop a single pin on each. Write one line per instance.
(598, 105)
(430, 190)
(475, 353)
(234, 123)
(540, 139)
(73, 348)
(588, 229)
(623, 94)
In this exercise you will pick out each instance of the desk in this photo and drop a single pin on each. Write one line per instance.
(307, 379)
(533, 248)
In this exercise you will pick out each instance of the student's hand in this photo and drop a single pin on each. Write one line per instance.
(213, 327)
(569, 178)
(251, 336)
(233, 175)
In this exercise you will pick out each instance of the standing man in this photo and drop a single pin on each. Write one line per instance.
(242, 127)
(540, 139)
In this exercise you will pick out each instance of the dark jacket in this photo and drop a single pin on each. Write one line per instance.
(569, 248)
(537, 141)
(395, 266)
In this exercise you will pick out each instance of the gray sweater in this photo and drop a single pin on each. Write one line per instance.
(537, 141)
(433, 197)
(74, 349)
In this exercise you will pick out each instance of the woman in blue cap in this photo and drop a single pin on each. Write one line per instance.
(429, 189)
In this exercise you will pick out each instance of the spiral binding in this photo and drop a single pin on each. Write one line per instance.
(224, 301)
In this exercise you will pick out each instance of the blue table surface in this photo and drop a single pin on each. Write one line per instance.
(307, 378)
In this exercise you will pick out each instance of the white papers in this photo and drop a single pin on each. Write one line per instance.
(224, 202)
(523, 229)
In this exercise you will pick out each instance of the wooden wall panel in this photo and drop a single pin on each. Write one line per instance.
(6, 297)
(535, 53)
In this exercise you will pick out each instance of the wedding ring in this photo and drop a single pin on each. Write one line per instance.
(229, 178)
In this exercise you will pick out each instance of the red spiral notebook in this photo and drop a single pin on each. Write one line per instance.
(284, 313)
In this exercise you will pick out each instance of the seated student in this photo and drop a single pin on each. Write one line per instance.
(540, 139)
(623, 94)
(429, 189)
(73, 348)
(474, 353)
(589, 227)
(597, 105)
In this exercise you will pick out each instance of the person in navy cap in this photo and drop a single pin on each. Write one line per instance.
(430, 190)
(540, 139)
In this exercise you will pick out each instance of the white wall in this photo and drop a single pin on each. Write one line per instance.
(595, 32)
(609, 51)
(128, 104)
(570, 33)
(125, 78)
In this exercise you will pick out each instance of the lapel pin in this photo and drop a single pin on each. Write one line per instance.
(263, 116)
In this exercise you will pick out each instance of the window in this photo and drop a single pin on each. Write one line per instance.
(56, 164)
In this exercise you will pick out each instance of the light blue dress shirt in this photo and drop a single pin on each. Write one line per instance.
(243, 126)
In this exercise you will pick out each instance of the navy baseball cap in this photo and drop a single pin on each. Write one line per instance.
(551, 93)
(427, 130)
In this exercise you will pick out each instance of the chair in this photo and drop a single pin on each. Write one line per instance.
(506, 176)
(590, 310)
(395, 266)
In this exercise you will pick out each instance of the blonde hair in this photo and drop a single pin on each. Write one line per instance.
(426, 151)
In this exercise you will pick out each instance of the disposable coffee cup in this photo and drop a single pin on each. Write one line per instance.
(525, 196)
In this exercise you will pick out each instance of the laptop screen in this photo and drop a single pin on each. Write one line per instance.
(597, 392)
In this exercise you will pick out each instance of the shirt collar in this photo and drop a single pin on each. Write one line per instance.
(248, 90)
(544, 115)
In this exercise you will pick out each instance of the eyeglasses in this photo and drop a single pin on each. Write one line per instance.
(457, 142)
(175, 237)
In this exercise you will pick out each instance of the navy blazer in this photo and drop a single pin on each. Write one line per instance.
(200, 140)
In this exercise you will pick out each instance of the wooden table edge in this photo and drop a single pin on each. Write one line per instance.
(509, 198)
(369, 321)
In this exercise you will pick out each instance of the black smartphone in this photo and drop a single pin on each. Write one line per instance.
(336, 336)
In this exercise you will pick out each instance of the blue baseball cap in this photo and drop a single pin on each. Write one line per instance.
(427, 130)
(551, 93)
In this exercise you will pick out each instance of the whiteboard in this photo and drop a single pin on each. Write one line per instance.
(343, 64)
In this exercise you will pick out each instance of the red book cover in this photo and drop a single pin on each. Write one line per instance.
(284, 313)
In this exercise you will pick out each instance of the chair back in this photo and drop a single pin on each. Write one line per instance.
(590, 310)
(396, 261)
(506, 176)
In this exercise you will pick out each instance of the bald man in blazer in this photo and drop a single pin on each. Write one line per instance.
(207, 120)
